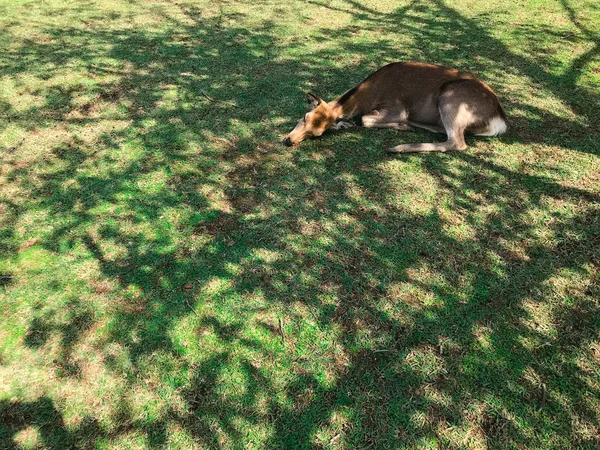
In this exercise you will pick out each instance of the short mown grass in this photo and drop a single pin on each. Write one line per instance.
(172, 277)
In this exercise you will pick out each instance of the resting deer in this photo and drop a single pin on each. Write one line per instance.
(406, 95)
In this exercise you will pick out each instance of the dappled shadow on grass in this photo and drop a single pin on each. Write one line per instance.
(377, 380)
(70, 330)
(339, 250)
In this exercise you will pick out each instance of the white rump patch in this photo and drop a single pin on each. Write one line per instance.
(496, 126)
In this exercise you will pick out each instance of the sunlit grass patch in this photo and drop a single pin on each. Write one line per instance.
(172, 276)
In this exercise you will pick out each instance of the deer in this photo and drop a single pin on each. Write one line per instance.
(405, 95)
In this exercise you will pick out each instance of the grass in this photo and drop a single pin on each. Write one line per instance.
(172, 277)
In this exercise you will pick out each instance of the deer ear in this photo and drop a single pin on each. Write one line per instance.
(313, 100)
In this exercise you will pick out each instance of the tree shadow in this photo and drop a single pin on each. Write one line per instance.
(405, 372)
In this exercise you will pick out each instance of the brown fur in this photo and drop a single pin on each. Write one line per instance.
(405, 95)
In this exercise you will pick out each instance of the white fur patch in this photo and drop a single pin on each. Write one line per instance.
(496, 126)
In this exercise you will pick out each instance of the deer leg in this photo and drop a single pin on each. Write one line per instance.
(456, 141)
(386, 119)
(425, 126)
(342, 124)
(455, 118)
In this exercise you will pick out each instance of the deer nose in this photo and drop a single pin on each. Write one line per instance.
(287, 142)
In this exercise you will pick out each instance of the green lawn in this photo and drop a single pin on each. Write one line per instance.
(172, 277)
